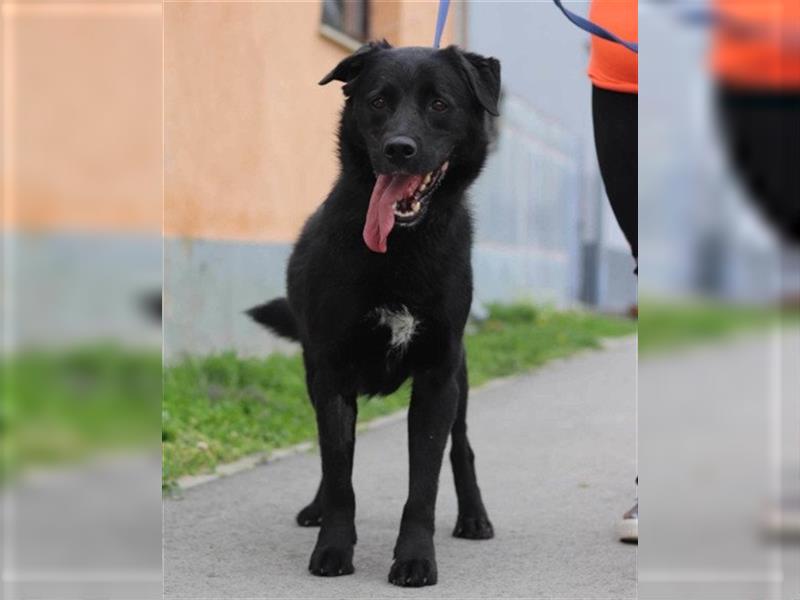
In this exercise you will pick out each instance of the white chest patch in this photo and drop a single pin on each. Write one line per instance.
(401, 323)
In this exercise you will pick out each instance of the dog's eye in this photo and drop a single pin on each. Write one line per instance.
(439, 105)
(378, 102)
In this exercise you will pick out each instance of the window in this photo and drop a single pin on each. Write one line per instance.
(349, 18)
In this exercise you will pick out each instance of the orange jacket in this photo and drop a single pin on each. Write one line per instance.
(611, 66)
(767, 59)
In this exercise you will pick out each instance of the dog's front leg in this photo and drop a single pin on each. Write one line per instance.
(336, 420)
(434, 399)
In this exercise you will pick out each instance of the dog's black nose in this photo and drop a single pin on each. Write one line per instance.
(399, 148)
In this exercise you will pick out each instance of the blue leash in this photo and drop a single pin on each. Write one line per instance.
(584, 24)
(595, 29)
(441, 19)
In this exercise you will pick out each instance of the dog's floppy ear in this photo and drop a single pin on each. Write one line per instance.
(349, 68)
(483, 76)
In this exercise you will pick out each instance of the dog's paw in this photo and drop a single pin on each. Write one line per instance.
(413, 572)
(331, 561)
(473, 528)
(310, 516)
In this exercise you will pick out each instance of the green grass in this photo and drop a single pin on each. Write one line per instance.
(672, 325)
(61, 406)
(219, 408)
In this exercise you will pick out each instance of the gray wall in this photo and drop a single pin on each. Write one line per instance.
(526, 208)
(542, 192)
(208, 285)
(68, 288)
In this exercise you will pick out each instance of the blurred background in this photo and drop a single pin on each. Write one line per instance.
(719, 343)
(81, 284)
(181, 146)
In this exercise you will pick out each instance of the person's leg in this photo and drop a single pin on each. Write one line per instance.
(761, 134)
(616, 117)
(760, 131)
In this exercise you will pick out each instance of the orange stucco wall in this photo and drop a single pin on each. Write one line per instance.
(248, 133)
(82, 116)
(248, 136)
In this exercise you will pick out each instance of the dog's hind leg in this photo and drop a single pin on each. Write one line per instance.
(311, 514)
(473, 522)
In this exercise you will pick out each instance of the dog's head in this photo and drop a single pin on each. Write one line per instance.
(417, 114)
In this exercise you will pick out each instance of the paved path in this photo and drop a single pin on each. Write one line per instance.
(84, 531)
(718, 440)
(555, 458)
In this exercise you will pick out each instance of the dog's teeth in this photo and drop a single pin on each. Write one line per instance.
(415, 206)
(423, 187)
(445, 165)
(427, 180)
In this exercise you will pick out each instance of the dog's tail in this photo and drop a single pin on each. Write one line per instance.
(277, 316)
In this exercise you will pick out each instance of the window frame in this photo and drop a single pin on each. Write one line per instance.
(341, 38)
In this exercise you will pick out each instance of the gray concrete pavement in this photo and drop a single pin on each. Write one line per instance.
(555, 458)
(84, 531)
(718, 445)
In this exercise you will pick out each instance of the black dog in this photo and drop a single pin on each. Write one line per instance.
(380, 286)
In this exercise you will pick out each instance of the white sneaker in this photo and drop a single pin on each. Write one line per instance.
(628, 526)
(782, 521)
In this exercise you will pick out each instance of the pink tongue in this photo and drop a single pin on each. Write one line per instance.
(380, 214)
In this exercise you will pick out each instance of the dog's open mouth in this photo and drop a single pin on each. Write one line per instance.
(408, 210)
(398, 198)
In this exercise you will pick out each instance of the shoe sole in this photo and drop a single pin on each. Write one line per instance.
(784, 525)
(628, 531)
